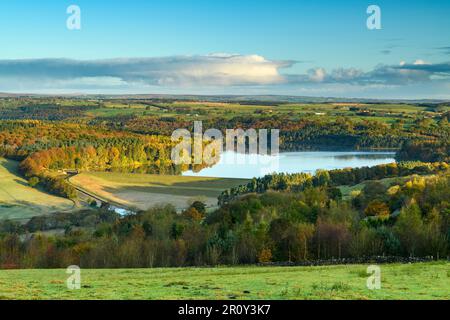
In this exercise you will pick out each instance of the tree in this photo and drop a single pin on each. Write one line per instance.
(331, 239)
(443, 123)
(409, 229)
(199, 206)
(33, 182)
(373, 190)
(377, 208)
(303, 234)
(265, 256)
(322, 178)
(436, 241)
(193, 214)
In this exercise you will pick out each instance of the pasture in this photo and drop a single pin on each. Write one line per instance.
(202, 110)
(398, 281)
(143, 191)
(18, 201)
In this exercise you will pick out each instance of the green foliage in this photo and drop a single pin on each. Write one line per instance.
(33, 182)
(199, 206)
(280, 217)
(333, 178)
(426, 151)
(409, 229)
(276, 226)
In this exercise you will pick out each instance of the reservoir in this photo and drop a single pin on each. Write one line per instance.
(238, 165)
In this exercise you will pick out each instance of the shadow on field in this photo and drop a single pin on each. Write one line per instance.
(11, 166)
(210, 187)
(21, 182)
(165, 190)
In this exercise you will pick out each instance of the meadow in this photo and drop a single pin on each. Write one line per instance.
(143, 191)
(398, 281)
(18, 201)
(348, 192)
(196, 110)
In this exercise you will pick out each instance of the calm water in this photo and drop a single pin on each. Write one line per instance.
(234, 165)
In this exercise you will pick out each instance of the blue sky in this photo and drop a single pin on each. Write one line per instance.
(318, 48)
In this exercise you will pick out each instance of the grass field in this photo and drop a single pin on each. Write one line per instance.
(347, 191)
(407, 281)
(201, 110)
(18, 201)
(143, 191)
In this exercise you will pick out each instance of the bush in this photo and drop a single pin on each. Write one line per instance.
(33, 182)
(199, 206)
(377, 208)
(265, 256)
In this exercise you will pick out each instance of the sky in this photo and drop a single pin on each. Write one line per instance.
(305, 48)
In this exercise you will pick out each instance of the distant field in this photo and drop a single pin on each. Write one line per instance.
(348, 190)
(199, 110)
(403, 282)
(143, 191)
(19, 201)
(387, 182)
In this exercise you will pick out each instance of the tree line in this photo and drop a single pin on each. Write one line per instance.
(333, 178)
(47, 149)
(303, 133)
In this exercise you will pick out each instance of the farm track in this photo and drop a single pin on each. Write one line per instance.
(95, 196)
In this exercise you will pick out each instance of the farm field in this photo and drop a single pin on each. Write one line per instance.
(202, 110)
(398, 281)
(347, 191)
(18, 201)
(143, 191)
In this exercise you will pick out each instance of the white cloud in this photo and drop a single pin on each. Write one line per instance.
(420, 62)
(403, 74)
(219, 72)
(317, 75)
(209, 70)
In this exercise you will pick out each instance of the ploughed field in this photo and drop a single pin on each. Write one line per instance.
(18, 201)
(143, 191)
(398, 281)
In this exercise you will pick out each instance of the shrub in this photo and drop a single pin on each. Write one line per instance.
(377, 208)
(33, 182)
(265, 256)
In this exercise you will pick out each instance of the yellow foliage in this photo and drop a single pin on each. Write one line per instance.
(377, 208)
(265, 256)
(393, 190)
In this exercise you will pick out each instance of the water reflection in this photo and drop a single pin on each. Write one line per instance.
(233, 165)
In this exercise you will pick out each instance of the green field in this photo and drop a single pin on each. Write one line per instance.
(143, 191)
(202, 110)
(399, 281)
(18, 201)
(348, 191)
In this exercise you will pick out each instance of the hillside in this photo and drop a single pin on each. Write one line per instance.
(18, 201)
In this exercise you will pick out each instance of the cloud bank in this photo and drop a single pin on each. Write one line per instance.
(200, 73)
(402, 74)
(209, 70)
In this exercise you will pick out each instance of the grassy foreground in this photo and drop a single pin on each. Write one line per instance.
(407, 281)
